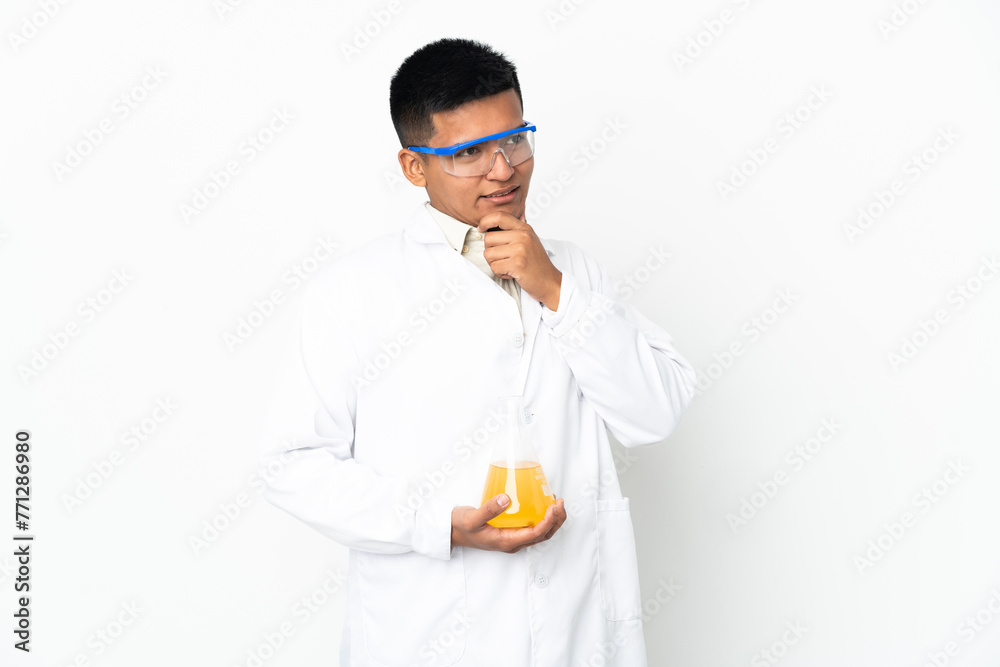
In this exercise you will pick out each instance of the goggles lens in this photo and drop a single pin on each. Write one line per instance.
(478, 159)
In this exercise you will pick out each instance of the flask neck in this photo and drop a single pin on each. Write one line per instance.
(513, 447)
(510, 407)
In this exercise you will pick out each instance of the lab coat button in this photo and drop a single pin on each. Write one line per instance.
(518, 340)
(541, 580)
(465, 248)
(527, 416)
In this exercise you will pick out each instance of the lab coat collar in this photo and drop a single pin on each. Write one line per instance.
(454, 230)
(421, 228)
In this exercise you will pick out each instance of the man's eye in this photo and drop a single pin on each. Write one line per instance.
(467, 152)
(513, 139)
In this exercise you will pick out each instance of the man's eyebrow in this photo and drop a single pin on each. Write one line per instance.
(463, 141)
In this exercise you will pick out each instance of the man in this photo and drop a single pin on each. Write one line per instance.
(403, 347)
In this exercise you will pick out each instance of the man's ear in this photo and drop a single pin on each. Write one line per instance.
(413, 167)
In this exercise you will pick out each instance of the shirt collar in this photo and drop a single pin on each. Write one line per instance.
(454, 230)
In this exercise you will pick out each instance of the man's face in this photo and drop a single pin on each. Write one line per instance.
(464, 197)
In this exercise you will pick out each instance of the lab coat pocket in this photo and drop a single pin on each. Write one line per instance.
(412, 608)
(617, 566)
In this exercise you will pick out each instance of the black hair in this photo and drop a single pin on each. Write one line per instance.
(441, 76)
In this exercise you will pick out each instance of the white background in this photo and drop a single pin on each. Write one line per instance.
(331, 173)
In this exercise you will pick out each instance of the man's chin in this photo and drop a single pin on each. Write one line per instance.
(514, 208)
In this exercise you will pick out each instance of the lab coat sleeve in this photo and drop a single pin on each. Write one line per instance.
(308, 435)
(625, 365)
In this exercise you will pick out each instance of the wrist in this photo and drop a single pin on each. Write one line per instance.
(552, 298)
(454, 541)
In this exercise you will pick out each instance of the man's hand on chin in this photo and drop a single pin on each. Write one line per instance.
(515, 251)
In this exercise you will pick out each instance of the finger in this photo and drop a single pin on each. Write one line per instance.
(538, 532)
(560, 511)
(559, 514)
(493, 507)
(499, 267)
(554, 509)
(488, 221)
(545, 525)
(499, 219)
(560, 520)
(509, 539)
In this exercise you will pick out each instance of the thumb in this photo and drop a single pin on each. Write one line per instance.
(494, 507)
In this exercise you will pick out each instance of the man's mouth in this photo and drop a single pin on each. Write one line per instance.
(502, 196)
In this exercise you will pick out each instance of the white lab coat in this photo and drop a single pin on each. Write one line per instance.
(401, 352)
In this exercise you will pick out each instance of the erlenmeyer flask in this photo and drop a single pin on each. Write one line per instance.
(515, 470)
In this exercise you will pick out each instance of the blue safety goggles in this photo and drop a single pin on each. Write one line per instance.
(476, 157)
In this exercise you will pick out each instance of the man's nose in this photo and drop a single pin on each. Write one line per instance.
(501, 169)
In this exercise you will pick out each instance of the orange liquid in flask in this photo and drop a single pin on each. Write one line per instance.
(529, 494)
